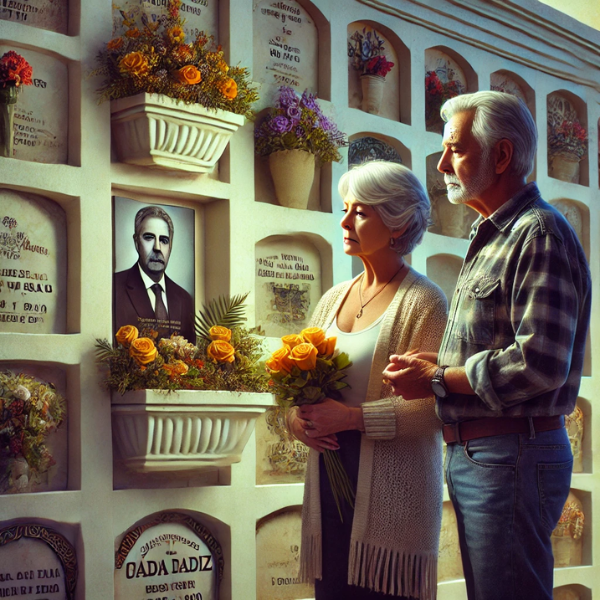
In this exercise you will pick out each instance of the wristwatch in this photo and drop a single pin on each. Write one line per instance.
(437, 383)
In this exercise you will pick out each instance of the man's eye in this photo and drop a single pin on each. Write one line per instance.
(164, 240)
(148, 237)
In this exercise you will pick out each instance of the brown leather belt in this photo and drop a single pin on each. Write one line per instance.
(478, 428)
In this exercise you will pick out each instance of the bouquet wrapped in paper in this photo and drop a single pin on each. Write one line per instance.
(306, 370)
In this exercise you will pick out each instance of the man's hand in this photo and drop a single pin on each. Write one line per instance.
(410, 374)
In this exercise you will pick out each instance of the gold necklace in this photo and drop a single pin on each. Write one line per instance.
(360, 312)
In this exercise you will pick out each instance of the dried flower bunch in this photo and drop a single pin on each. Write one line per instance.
(566, 134)
(14, 70)
(153, 57)
(29, 411)
(367, 53)
(298, 123)
(437, 92)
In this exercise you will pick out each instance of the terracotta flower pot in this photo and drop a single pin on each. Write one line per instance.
(293, 172)
(564, 166)
(372, 92)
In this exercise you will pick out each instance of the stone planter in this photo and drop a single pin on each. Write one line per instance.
(564, 166)
(186, 430)
(293, 172)
(157, 131)
(372, 92)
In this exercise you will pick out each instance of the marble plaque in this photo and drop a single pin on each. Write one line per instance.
(44, 14)
(173, 556)
(33, 264)
(42, 111)
(449, 560)
(278, 539)
(199, 15)
(288, 284)
(36, 563)
(285, 46)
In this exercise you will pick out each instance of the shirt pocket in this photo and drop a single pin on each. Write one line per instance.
(475, 316)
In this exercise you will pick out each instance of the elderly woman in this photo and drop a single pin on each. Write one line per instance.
(390, 448)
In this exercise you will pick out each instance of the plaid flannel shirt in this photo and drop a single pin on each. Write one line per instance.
(519, 315)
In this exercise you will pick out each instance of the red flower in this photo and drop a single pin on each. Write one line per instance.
(16, 408)
(15, 70)
(378, 65)
(15, 445)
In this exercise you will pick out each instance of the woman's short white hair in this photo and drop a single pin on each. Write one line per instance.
(499, 116)
(397, 196)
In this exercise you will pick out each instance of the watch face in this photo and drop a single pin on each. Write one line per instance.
(439, 389)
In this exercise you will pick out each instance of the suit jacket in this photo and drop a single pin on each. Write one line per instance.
(131, 303)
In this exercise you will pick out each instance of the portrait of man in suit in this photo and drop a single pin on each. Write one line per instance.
(144, 295)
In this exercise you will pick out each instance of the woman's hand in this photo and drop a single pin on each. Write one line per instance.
(299, 428)
(329, 417)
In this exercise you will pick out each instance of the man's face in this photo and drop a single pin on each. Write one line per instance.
(153, 245)
(468, 170)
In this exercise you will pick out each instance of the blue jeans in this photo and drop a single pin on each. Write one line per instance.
(508, 492)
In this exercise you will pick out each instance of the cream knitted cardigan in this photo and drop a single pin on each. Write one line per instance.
(398, 506)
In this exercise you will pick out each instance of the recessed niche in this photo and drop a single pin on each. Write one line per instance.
(572, 537)
(371, 87)
(572, 592)
(567, 138)
(449, 559)
(511, 83)
(447, 74)
(371, 146)
(578, 425)
(444, 269)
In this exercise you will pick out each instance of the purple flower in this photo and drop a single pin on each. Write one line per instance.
(280, 124)
(299, 132)
(293, 112)
(309, 101)
(287, 97)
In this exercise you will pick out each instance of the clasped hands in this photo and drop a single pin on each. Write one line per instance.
(410, 374)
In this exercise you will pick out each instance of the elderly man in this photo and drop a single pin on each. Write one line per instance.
(143, 295)
(510, 362)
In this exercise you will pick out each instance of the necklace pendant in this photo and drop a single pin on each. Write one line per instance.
(359, 315)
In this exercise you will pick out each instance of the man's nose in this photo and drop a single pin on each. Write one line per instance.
(444, 165)
(156, 246)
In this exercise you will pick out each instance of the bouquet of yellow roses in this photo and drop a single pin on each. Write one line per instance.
(306, 370)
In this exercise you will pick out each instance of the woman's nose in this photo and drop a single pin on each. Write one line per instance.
(346, 221)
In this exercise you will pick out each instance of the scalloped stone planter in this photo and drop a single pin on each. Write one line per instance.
(153, 130)
(184, 430)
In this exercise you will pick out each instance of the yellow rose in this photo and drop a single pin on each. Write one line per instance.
(280, 360)
(313, 335)
(304, 356)
(228, 88)
(221, 351)
(127, 334)
(292, 340)
(177, 367)
(327, 347)
(143, 351)
(134, 63)
(219, 333)
(176, 34)
(188, 75)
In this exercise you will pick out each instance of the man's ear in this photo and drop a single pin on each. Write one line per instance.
(135, 241)
(503, 153)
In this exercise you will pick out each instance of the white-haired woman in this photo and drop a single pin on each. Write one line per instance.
(391, 448)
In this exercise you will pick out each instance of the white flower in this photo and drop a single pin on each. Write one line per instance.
(22, 393)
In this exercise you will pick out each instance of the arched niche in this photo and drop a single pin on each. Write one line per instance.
(449, 560)
(278, 540)
(41, 119)
(52, 15)
(367, 146)
(444, 269)
(572, 537)
(453, 220)
(567, 127)
(393, 87)
(291, 41)
(511, 83)
(574, 591)
(447, 74)
(579, 428)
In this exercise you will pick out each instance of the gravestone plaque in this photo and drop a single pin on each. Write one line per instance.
(44, 14)
(41, 122)
(199, 15)
(173, 557)
(285, 45)
(33, 264)
(36, 563)
(288, 284)
(278, 539)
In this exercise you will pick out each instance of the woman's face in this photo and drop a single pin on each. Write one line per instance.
(364, 232)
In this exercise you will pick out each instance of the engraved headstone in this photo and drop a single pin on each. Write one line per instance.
(286, 44)
(33, 264)
(171, 556)
(44, 14)
(277, 557)
(41, 123)
(288, 284)
(36, 562)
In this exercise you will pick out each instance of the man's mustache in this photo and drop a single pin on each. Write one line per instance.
(451, 179)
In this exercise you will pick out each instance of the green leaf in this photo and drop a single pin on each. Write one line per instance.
(342, 361)
(224, 311)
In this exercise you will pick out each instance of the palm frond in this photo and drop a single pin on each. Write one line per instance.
(225, 311)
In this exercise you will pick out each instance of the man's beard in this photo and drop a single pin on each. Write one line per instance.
(473, 188)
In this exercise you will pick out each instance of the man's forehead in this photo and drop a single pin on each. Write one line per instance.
(154, 223)
(457, 127)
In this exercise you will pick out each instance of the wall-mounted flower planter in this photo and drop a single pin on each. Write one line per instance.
(157, 430)
(157, 131)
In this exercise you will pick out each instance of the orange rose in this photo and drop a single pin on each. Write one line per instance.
(188, 75)
(221, 351)
(228, 88)
(219, 333)
(115, 44)
(143, 351)
(177, 367)
(183, 53)
(327, 347)
(304, 356)
(313, 335)
(292, 340)
(134, 32)
(134, 63)
(127, 334)
(280, 360)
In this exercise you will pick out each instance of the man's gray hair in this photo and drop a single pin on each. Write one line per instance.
(153, 211)
(499, 116)
(396, 195)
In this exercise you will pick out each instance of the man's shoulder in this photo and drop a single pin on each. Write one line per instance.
(121, 277)
(174, 288)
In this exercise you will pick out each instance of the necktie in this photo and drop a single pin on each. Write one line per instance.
(160, 311)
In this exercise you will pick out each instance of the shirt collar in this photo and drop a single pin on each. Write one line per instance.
(504, 216)
(148, 283)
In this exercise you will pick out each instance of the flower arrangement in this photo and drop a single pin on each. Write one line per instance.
(566, 135)
(14, 70)
(306, 370)
(298, 123)
(223, 358)
(367, 53)
(437, 92)
(153, 57)
(29, 411)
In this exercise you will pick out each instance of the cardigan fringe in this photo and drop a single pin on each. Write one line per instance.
(311, 563)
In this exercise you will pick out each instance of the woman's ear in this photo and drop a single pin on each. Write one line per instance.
(399, 232)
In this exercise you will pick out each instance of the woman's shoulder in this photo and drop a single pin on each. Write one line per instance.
(328, 301)
(426, 290)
